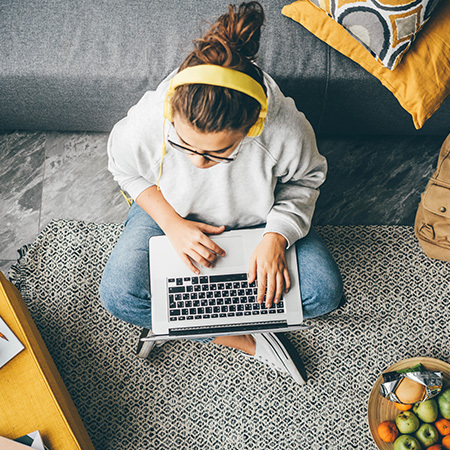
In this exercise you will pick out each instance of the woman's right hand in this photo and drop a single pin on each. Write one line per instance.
(192, 244)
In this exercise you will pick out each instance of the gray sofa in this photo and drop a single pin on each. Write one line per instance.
(80, 65)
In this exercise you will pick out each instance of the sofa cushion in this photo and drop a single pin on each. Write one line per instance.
(420, 83)
(33, 395)
(386, 29)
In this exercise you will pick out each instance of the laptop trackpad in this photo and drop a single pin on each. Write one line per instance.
(234, 248)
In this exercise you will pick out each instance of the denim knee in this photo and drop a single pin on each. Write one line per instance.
(125, 304)
(108, 296)
(325, 296)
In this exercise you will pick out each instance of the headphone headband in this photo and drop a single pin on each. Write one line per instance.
(224, 77)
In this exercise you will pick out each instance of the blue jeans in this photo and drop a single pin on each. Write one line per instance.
(124, 289)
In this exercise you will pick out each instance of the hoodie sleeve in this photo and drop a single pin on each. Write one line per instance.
(134, 147)
(300, 170)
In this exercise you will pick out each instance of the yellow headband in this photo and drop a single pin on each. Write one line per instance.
(221, 76)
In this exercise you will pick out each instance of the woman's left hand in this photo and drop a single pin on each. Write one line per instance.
(268, 265)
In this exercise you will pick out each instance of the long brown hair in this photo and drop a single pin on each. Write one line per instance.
(233, 42)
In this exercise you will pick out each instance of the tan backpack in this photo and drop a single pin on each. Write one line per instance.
(432, 226)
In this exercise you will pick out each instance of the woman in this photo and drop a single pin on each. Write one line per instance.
(226, 163)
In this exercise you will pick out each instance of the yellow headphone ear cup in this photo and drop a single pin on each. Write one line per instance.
(257, 128)
(168, 112)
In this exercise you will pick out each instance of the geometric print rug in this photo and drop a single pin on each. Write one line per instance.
(186, 395)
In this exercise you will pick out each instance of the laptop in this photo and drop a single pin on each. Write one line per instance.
(219, 301)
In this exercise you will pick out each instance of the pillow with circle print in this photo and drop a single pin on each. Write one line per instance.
(432, 224)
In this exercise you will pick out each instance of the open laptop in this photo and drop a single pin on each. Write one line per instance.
(219, 301)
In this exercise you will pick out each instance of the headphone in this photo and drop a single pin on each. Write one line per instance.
(215, 76)
(224, 77)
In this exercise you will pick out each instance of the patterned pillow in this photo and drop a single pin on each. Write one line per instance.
(386, 28)
(420, 83)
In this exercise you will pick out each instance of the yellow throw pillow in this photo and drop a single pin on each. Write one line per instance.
(421, 81)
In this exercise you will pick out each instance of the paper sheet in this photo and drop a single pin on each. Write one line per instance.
(10, 345)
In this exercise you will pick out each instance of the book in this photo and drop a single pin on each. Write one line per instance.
(33, 440)
(10, 345)
(8, 444)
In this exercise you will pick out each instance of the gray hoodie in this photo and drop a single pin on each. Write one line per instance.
(274, 179)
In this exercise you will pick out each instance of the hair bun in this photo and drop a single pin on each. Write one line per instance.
(236, 32)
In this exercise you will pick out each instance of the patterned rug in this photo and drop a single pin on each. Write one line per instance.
(190, 396)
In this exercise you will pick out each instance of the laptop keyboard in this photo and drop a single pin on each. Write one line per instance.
(215, 296)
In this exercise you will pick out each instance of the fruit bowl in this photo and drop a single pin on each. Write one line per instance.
(381, 409)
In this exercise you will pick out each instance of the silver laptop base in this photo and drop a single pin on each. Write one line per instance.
(192, 334)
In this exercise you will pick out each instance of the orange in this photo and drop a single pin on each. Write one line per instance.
(436, 447)
(446, 442)
(388, 431)
(402, 407)
(443, 426)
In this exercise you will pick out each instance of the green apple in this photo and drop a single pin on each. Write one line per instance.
(426, 411)
(407, 422)
(444, 403)
(427, 434)
(406, 442)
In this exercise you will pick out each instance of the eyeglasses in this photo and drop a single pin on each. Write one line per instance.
(188, 151)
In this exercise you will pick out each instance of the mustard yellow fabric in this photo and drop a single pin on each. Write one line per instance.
(421, 81)
(32, 393)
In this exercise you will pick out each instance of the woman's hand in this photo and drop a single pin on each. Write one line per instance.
(268, 265)
(190, 241)
(188, 238)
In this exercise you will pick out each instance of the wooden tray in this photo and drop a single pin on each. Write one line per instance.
(380, 409)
